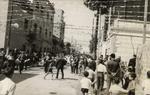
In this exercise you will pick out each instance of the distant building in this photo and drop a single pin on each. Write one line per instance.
(58, 30)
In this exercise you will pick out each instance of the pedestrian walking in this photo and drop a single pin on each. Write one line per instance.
(21, 62)
(46, 64)
(50, 68)
(60, 66)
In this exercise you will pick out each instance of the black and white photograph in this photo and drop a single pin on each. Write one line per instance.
(74, 47)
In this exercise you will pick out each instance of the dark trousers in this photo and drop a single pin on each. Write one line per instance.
(100, 80)
(21, 66)
(62, 72)
(76, 69)
(71, 68)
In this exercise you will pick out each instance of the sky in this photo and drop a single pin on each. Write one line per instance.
(78, 20)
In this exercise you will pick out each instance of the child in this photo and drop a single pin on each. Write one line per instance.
(146, 84)
(85, 83)
(131, 86)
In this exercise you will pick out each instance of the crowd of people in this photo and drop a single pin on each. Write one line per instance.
(105, 76)
(110, 77)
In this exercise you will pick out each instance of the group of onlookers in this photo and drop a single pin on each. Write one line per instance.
(111, 77)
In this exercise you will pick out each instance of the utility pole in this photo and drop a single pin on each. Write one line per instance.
(145, 20)
(96, 33)
(8, 31)
(109, 20)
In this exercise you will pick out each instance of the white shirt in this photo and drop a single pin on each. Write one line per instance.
(85, 83)
(91, 74)
(116, 90)
(101, 68)
(146, 86)
(7, 87)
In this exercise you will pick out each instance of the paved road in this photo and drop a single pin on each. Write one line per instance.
(31, 82)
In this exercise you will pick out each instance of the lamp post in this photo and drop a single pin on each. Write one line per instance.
(145, 20)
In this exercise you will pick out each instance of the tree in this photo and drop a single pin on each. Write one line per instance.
(68, 46)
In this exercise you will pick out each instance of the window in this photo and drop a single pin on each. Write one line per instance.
(49, 34)
(37, 5)
(46, 33)
(35, 27)
(26, 22)
(40, 32)
(47, 15)
(42, 9)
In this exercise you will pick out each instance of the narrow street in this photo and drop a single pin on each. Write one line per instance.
(32, 83)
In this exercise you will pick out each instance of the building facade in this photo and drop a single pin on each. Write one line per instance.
(58, 30)
(30, 25)
(124, 39)
(43, 19)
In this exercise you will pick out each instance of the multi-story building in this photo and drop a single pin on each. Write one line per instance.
(29, 25)
(43, 19)
(125, 38)
(59, 29)
(18, 24)
(130, 9)
(123, 29)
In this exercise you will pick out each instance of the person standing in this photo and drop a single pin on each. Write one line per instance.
(76, 64)
(85, 83)
(60, 66)
(112, 70)
(7, 86)
(101, 71)
(132, 63)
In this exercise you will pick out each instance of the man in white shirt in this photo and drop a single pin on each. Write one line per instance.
(7, 87)
(101, 70)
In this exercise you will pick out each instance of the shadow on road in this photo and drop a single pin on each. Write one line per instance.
(70, 79)
(19, 78)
